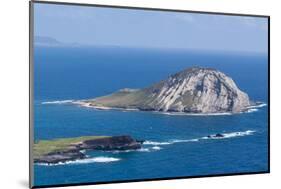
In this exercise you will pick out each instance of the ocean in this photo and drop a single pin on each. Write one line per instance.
(176, 145)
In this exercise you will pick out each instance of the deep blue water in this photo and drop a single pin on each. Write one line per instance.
(80, 73)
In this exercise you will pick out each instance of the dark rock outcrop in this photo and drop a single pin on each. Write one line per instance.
(111, 143)
(60, 156)
(218, 135)
(73, 151)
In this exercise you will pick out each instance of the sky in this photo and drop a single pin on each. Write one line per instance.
(150, 29)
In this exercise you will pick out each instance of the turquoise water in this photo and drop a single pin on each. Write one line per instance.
(175, 144)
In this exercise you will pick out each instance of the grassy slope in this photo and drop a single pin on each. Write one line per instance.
(120, 99)
(46, 146)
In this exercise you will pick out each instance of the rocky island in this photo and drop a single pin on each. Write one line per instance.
(70, 149)
(194, 90)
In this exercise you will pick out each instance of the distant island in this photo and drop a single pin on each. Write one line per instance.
(194, 90)
(70, 149)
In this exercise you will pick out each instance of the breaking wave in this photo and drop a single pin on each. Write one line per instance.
(104, 159)
(195, 114)
(156, 148)
(230, 135)
(143, 150)
(100, 159)
(58, 102)
(154, 143)
(213, 136)
(258, 105)
(238, 134)
(189, 140)
(148, 149)
(250, 109)
(255, 108)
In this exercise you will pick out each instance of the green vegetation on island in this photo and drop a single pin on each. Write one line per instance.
(44, 147)
(70, 149)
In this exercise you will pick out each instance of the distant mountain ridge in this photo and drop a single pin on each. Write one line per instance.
(46, 41)
(194, 90)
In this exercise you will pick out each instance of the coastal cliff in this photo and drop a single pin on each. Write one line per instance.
(194, 90)
(70, 149)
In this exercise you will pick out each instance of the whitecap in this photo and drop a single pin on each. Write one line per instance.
(238, 134)
(58, 102)
(126, 151)
(194, 114)
(258, 105)
(155, 143)
(121, 151)
(213, 136)
(137, 150)
(231, 135)
(101, 159)
(143, 150)
(252, 110)
(189, 140)
(156, 148)
(104, 159)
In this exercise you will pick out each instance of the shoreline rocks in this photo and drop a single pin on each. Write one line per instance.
(60, 157)
(112, 143)
(73, 151)
(218, 135)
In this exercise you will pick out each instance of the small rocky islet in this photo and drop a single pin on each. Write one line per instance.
(70, 149)
(193, 90)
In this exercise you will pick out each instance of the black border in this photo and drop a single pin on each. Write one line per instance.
(30, 134)
(31, 17)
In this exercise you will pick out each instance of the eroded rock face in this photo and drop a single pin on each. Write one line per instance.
(60, 156)
(194, 90)
(199, 90)
(111, 143)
